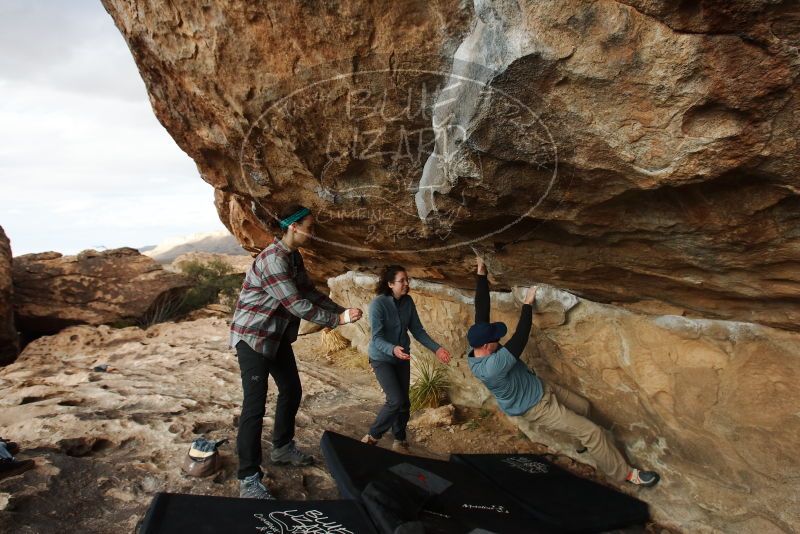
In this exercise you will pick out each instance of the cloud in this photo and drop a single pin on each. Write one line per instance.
(72, 45)
(83, 160)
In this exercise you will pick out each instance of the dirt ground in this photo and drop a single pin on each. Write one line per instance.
(105, 442)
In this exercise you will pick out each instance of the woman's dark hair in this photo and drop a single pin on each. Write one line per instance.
(291, 209)
(382, 287)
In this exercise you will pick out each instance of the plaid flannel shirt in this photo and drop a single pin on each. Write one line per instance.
(276, 294)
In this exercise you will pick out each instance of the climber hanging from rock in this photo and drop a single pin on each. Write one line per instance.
(520, 393)
(276, 294)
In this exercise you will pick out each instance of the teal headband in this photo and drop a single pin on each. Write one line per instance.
(294, 217)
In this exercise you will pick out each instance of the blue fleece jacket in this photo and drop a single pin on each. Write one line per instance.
(391, 321)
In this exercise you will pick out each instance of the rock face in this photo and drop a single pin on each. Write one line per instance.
(9, 341)
(710, 404)
(629, 151)
(52, 291)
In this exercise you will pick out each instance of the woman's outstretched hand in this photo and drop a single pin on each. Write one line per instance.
(443, 355)
(400, 353)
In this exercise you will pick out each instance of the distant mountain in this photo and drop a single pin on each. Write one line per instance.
(220, 242)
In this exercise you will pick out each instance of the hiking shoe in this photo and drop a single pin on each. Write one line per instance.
(401, 446)
(369, 440)
(643, 478)
(252, 488)
(10, 468)
(290, 454)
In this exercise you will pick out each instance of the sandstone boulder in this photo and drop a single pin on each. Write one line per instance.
(631, 152)
(52, 291)
(9, 341)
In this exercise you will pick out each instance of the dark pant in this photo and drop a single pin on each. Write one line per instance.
(255, 368)
(394, 378)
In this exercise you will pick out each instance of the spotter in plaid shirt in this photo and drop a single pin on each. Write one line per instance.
(276, 294)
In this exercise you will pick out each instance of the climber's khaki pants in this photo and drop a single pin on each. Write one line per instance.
(562, 410)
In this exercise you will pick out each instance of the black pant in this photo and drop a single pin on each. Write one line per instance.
(255, 368)
(394, 378)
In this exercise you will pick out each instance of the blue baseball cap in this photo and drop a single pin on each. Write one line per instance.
(480, 334)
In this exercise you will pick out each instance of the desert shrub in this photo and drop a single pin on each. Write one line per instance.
(212, 282)
(209, 283)
(430, 384)
(165, 308)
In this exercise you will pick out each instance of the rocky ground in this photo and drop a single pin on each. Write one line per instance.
(105, 442)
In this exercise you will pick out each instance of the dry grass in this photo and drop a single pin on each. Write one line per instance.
(349, 358)
(333, 341)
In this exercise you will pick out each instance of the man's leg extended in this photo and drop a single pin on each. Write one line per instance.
(571, 400)
(549, 413)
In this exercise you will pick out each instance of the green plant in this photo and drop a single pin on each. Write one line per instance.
(430, 384)
(211, 281)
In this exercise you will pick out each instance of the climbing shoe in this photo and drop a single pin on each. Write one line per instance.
(643, 478)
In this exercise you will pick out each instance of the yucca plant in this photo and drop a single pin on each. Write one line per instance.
(430, 384)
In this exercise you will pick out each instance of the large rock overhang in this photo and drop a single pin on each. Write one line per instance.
(626, 152)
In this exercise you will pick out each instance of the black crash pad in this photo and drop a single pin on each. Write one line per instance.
(444, 497)
(556, 496)
(199, 514)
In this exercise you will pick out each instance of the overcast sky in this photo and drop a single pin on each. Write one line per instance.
(83, 161)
